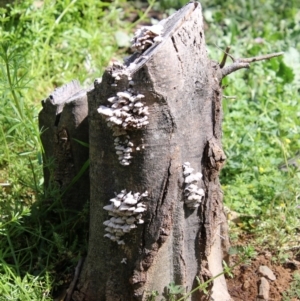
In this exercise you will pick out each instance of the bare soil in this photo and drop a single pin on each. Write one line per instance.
(244, 285)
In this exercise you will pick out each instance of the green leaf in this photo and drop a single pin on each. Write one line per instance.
(82, 143)
(175, 289)
(285, 72)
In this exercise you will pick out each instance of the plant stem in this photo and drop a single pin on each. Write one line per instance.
(46, 44)
(15, 98)
(210, 280)
(7, 154)
(12, 252)
(144, 15)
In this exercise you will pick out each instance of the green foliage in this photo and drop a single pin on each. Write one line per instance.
(293, 293)
(26, 288)
(173, 291)
(246, 252)
(49, 31)
(280, 226)
(44, 44)
(261, 125)
(168, 4)
(152, 296)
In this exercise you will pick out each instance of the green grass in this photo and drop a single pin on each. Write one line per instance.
(293, 293)
(261, 125)
(44, 44)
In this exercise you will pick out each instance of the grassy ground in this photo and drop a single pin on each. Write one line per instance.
(261, 125)
(44, 44)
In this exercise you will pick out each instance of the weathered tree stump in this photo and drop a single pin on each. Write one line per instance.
(156, 210)
(178, 240)
(64, 126)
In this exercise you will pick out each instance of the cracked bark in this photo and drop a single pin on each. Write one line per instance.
(182, 90)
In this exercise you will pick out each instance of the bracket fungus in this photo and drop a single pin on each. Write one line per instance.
(146, 36)
(118, 70)
(126, 211)
(193, 194)
(126, 112)
(124, 148)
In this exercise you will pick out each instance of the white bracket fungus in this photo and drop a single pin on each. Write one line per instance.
(193, 194)
(125, 112)
(124, 148)
(126, 211)
(146, 36)
(118, 70)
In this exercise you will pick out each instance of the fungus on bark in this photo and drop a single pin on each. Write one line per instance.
(126, 211)
(183, 97)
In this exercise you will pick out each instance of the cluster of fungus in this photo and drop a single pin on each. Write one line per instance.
(126, 111)
(124, 148)
(118, 70)
(146, 36)
(126, 211)
(193, 194)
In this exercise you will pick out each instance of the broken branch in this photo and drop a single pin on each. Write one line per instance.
(245, 62)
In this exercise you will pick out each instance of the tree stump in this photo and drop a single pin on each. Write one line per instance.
(64, 126)
(154, 130)
(182, 233)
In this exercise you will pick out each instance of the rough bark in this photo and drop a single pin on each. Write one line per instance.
(63, 123)
(182, 90)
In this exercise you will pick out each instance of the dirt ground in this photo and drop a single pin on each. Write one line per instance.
(244, 285)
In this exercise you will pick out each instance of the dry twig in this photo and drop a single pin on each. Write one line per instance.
(73, 283)
(243, 62)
